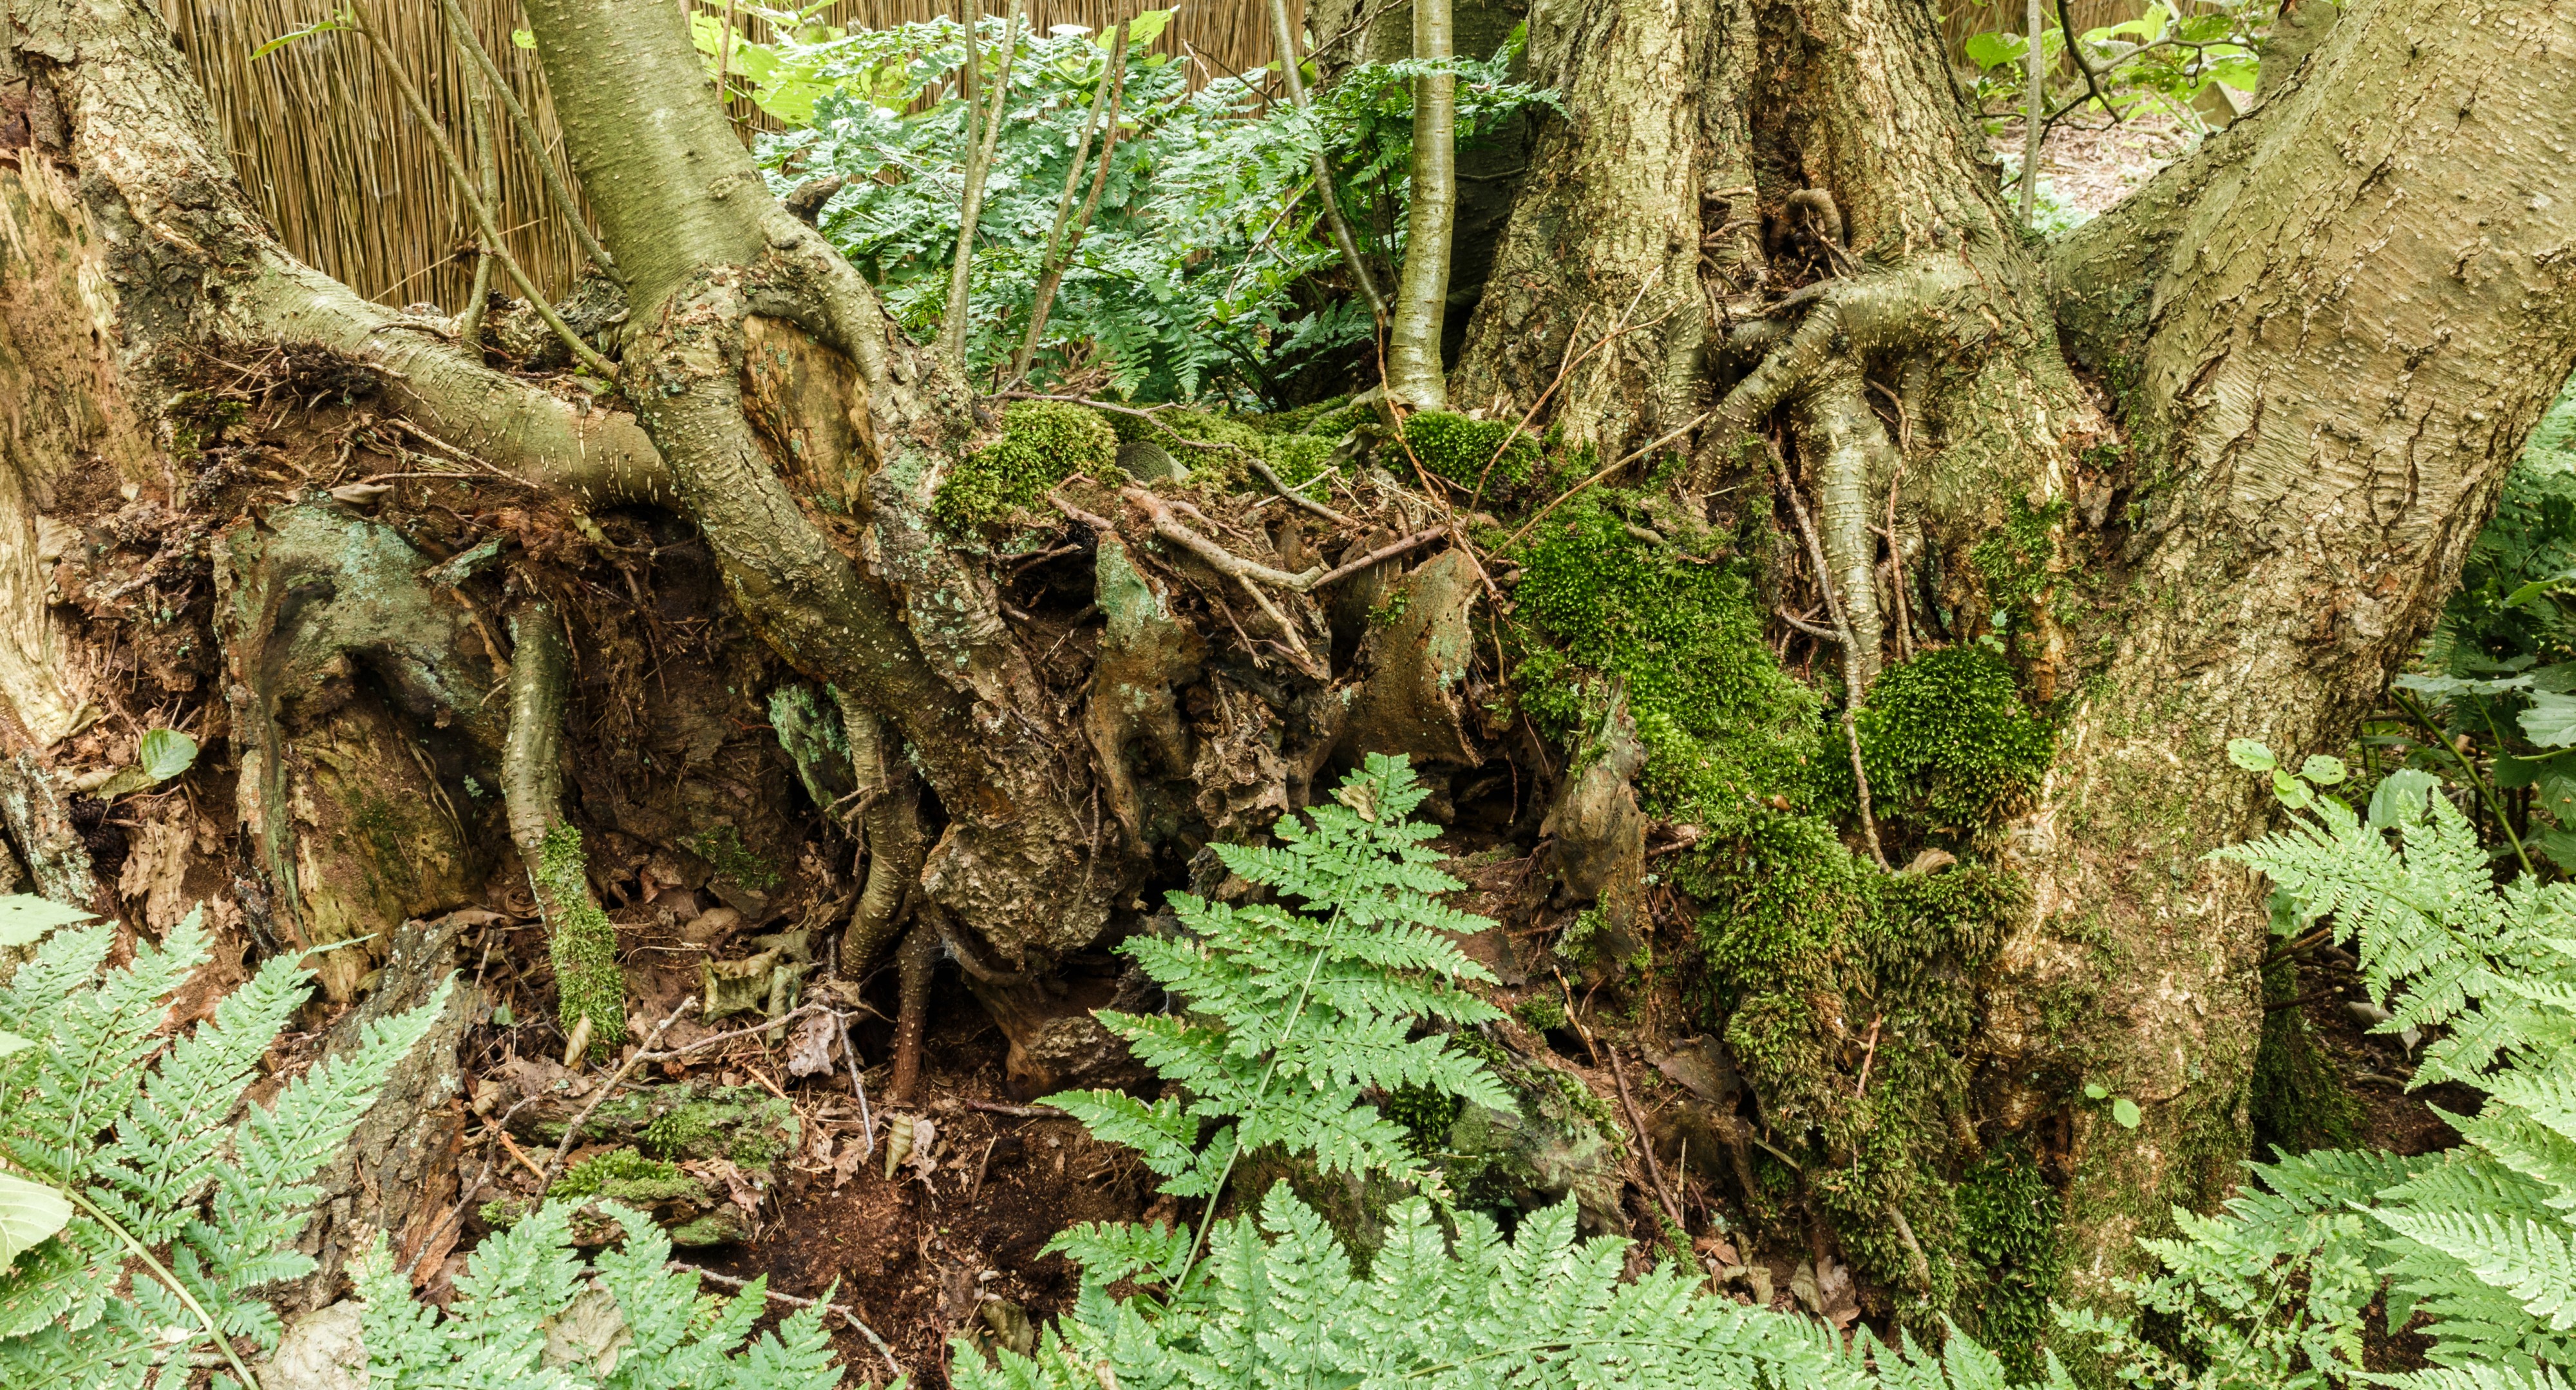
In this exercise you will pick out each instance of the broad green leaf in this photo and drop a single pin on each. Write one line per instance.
(2551, 720)
(2559, 845)
(2453, 687)
(11, 1042)
(25, 918)
(2325, 770)
(2250, 755)
(1992, 50)
(1146, 27)
(29, 1212)
(165, 753)
(523, 38)
(2125, 1111)
(2399, 797)
(320, 26)
(2292, 792)
(2557, 794)
(2095, 1090)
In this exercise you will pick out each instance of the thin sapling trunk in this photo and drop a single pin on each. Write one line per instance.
(1340, 227)
(1059, 250)
(983, 134)
(1413, 368)
(538, 154)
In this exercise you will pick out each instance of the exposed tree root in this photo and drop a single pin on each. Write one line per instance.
(589, 986)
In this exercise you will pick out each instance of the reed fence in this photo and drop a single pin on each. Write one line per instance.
(354, 186)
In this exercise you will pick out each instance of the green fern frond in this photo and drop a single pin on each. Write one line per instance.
(134, 1119)
(1288, 1014)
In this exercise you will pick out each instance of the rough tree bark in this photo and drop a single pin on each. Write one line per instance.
(2321, 339)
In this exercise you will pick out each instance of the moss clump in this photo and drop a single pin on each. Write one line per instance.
(582, 943)
(2008, 1220)
(1948, 741)
(1296, 445)
(1472, 452)
(1042, 444)
(722, 847)
(1724, 728)
(676, 1131)
(623, 1175)
(1425, 1116)
(2014, 561)
(1540, 1012)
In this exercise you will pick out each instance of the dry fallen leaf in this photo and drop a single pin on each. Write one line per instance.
(810, 1047)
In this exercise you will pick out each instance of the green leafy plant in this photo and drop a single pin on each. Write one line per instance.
(1206, 270)
(529, 1311)
(140, 1218)
(1285, 1015)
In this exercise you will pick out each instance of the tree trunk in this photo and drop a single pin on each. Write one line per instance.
(2305, 431)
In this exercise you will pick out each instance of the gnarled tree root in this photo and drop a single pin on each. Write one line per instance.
(589, 986)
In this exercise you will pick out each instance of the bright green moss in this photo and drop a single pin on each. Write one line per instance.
(1541, 1012)
(624, 1175)
(1042, 444)
(1296, 454)
(2014, 560)
(582, 944)
(722, 847)
(1470, 453)
(1723, 726)
(675, 1130)
(2008, 1220)
(1948, 741)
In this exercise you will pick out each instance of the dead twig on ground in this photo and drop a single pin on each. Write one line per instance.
(1298, 499)
(1645, 1145)
(545, 1178)
(838, 1310)
(1385, 552)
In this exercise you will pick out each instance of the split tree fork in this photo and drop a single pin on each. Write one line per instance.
(2308, 427)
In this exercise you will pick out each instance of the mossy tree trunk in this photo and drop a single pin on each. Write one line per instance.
(2320, 341)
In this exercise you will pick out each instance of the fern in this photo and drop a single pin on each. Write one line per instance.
(1283, 1305)
(530, 1314)
(133, 1127)
(1290, 1012)
(2482, 1238)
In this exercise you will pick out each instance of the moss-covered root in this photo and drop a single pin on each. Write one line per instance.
(919, 954)
(890, 826)
(588, 983)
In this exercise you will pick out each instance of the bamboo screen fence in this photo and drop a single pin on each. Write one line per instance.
(355, 187)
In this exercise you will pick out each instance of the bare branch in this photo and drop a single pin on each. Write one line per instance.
(1298, 499)
(1059, 253)
(537, 153)
(484, 225)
